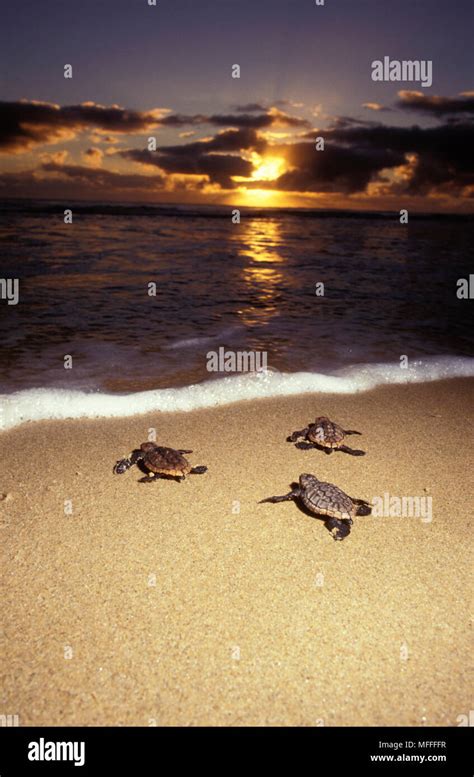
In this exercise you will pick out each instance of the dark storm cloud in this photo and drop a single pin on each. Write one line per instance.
(260, 121)
(228, 140)
(356, 152)
(436, 106)
(217, 167)
(237, 140)
(204, 157)
(336, 169)
(183, 120)
(25, 124)
(184, 161)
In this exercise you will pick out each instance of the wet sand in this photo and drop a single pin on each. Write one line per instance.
(191, 604)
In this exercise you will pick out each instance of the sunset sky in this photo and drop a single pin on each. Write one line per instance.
(142, 71)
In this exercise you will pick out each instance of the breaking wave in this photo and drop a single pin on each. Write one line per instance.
(50, 403)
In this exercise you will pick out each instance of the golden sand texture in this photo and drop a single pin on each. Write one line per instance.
(162, 603)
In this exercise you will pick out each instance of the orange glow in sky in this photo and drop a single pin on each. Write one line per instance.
(268, 168)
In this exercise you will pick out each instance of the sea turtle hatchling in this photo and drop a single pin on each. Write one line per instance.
(326, 499)
(159, 462)
(324, 434)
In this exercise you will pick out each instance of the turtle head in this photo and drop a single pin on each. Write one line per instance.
(121, 466)
(308, 480)
(147, 447)
(320, 419)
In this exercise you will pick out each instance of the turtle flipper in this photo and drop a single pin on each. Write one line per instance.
(197, 470)
(181, 451)
(339, 529)
(350, 431)
(285, 498)
(122, 465)
(351, 451)
(294, 435)
(304, 446)
(150, 478)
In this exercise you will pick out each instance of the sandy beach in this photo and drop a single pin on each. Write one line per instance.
(191, 604)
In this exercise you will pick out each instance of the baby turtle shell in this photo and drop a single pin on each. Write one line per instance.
(324, 434)
(159, 462)
(326, 499)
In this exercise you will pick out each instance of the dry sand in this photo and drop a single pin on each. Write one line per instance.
(162, 604)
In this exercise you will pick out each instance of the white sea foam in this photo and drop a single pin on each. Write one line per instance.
(47, 403)
(193, 342)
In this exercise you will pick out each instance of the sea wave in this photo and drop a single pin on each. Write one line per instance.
(176, 210)
(50, 403)
(193, 342)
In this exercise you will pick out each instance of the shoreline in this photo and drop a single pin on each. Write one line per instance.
(190, 604)
(54, 404)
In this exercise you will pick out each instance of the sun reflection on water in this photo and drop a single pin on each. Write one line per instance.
(258, 243)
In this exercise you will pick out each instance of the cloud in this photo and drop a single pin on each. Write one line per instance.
(237, 120)
(375, 107)
(251, 108)
(93, 157)
(97, 138)
(434, 105)
(339, 168)
(282, 119)
(25, 124)
(104, 179)
(54, 181)
(339, 122)
(360, 156)
(442, 155)
(58, 157)
(250, 120)
(215, 157)
(288, 104)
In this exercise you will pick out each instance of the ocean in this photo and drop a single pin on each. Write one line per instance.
(134, 300)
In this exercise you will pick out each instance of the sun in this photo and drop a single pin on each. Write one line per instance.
(265, 168)
(258, 197)
(268, 168)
